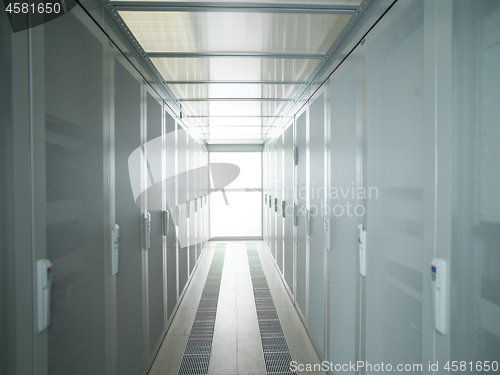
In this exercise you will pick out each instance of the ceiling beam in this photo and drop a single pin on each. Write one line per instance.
(235, 116)
(194, 6)
(235, 82)
(235, 100)
(233, 126)
(261, 55)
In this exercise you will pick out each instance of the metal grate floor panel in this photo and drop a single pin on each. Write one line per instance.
(194, 364)
(196, 358)
(277, 362)
(270, 314)
(199, 347)
(277, 355)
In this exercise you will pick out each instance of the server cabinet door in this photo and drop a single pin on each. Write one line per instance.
(269, 197)
(265, 182)
(302, 260)
(182, 198)
(171, 239)
(199, 203)
(191, 197)
(396, 232)
(129, 291)
(156, 205)
(265, 211)
(272, 167)
(279, 196)
(476, 220)
(316, 207)
(68, 188)
(289, 210)
(343, 273)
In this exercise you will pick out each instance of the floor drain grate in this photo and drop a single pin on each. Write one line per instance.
(274, 345)
(277, 362)
(194, 364)
(277, 355)
(267, 314)
(196, 358)
(199, 347)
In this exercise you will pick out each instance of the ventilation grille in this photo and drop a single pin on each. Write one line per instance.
(196, 358)
(277, 355)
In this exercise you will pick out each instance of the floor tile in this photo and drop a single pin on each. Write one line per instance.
(246, 318)
(223, 359)
(250, 356)
(183, 321)
(225, 321)
(169, 357)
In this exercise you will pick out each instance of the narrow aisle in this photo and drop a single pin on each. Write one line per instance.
(236, 347)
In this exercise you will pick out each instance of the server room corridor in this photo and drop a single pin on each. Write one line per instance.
(258, 187)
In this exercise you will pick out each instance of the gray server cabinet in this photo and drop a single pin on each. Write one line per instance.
(396, 169)
(272, 169)
(475, 231)
(129, 290)
(279, 197)
(205, 193)
(68, 191)
(270, 197)
(301, 255)
(182, 198)
(199, 210)
(155, 254)
(170, 196)
(288, 166)
(264, 195)
(317, 206)
(267, 211)
(343, 270)
(191, 198)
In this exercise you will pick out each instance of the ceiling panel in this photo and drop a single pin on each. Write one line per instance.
(233, 108)
(234, 121)
(239, 130)
(234, 69)
(203, 91)
(235, 141)
(234, 31)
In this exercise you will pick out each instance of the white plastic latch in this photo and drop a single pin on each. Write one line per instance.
(44, 282)
(166, 219)
(438, 282)
(146, 230)
(115, 249)
(307, 213)
(362, 249)
(327, 232)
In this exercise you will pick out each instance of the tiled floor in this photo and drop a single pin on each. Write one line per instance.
(236, 347)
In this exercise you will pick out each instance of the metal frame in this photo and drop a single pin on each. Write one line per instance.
(235, 148)
(168, 6)
(234, 82)
(267, 55)
(235, 100)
